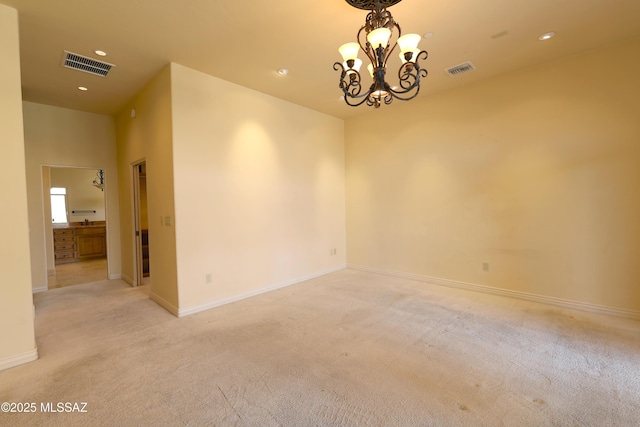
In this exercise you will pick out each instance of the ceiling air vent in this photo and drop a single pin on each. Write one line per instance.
(459, 69)
(88, 65)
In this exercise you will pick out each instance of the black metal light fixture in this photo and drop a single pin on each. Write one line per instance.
(378, 38)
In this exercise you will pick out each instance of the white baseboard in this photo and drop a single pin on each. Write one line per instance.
(114, 276)
(51, 272)
(39, 289)
(164, 304)
(18, 359)
(558, 302)
(217, 303)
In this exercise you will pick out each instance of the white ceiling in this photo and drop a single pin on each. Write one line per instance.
(245, 42)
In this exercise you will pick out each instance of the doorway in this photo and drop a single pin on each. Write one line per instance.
(141, 224)
(76, 228)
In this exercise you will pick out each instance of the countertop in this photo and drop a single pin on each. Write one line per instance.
(95, 224)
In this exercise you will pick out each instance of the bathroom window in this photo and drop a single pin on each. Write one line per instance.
(59, 205)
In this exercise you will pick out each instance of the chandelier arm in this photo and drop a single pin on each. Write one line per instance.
(409, 76)
(421, 53)
(366, 47)
(350, 85)
(412, 90)
(388, 51)
(365, 98)
(349, 80)
(398, 95)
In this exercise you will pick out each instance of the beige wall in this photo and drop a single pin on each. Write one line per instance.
(259, 189)
(17, 342)
(62, 137)
(148, 136)
(257, 184)
(535, 172)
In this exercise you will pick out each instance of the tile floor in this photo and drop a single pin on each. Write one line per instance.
(75, 273)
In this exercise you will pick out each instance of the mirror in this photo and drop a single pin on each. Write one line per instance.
(74, 205)
(84, 200)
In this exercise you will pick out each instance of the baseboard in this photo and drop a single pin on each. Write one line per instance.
(19, 359)
(39, 289)
(128, 280)
(164, 304)
(51, 272)
(114, 276)
(558, 302)
(188, 311)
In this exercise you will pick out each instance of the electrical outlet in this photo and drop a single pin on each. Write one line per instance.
(485, 266)
(208, 278)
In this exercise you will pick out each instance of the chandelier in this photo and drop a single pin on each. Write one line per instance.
(378, 38)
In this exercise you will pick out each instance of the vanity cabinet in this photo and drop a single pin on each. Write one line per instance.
(91, 242)
(64, 245)
(75, 243)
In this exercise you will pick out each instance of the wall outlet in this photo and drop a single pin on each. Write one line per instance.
(332, 252)
(485, 266)
(208, 278)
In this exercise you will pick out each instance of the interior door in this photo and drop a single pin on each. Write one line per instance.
(141, 223)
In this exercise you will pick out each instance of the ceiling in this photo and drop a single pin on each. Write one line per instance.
(245, 42)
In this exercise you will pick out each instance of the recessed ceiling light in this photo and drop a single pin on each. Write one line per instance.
(427, 35)
(547, 36)
(82, 88)
(101, 52)
(283, 71)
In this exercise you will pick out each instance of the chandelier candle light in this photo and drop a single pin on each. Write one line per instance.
(378, 38)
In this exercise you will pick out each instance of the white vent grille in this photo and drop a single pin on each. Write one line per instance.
(460, 69)
(87, 65)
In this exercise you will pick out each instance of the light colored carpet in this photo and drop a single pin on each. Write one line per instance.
(349, 348)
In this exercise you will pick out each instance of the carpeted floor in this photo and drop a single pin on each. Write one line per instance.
(349, 348)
